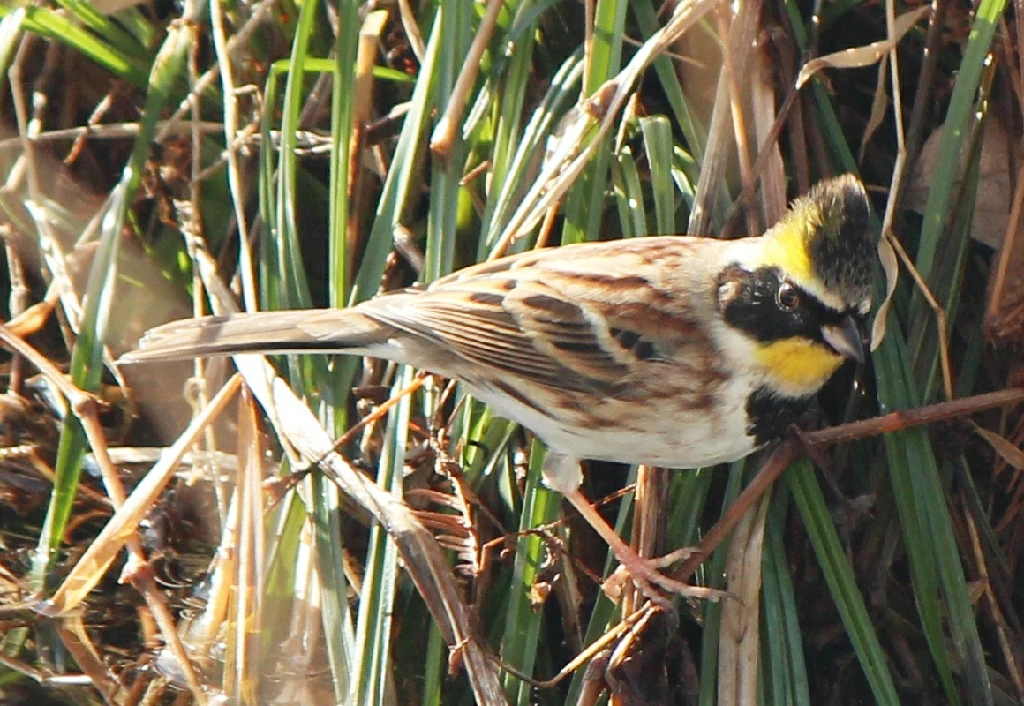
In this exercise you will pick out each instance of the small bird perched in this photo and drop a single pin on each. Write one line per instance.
(673, 351)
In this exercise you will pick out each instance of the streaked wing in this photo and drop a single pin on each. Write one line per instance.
(615, 319)
(591, 318)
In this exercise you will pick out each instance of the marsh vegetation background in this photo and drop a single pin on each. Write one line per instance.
(162, 159)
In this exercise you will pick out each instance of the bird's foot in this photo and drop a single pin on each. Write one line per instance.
(647, 576)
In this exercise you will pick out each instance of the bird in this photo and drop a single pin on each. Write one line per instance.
(674, 351)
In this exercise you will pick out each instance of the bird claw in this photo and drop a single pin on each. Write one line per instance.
(654, 585)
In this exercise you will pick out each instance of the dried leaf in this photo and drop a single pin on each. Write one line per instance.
(31, 320)
(878, 106)
(866, 55)
(992, 203)
(1004, 311)
(111, 7)
(1002, 446)
(890, 266)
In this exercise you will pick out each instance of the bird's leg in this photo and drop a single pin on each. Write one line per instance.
(563, 474)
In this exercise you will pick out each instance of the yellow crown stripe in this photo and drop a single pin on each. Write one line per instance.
(785, 245)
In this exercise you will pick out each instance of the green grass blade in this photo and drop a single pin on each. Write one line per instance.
(584, 204)
(103, 26)
(53, 25)
(521, 640)
(785, 671)
(377, 598)
(839, 575)
(87, 356)
(658, 147)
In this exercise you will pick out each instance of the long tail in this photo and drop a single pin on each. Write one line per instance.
(301, 331)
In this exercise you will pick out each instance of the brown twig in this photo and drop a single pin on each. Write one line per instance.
(84, 406)
(784, 456)
(578, 661)
(792, 449)
(903, 419)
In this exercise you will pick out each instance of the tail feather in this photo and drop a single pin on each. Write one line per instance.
(302, 331)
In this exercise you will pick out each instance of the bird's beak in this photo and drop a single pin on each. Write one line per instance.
(845, 339)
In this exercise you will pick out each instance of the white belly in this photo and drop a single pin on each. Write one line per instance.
(662, 434)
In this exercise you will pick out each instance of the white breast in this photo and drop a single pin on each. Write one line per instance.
(628, 432)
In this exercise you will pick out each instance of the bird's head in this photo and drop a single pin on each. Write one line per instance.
(799, 293)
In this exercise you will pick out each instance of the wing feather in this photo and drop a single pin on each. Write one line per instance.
(563, 318)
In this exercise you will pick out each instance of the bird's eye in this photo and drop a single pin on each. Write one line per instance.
(789, 296)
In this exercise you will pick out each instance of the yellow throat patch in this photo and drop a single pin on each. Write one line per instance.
(796, 366)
